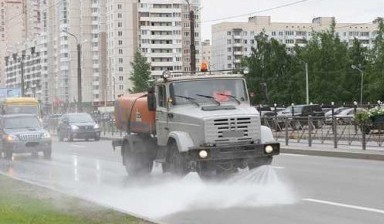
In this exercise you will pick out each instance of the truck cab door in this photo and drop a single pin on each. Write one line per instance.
(161, 115)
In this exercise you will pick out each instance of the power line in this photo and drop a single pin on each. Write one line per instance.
(258, 11)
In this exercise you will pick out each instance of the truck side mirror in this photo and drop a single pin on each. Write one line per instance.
(151, 99)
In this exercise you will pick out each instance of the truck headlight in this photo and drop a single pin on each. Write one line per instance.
(96, 126)
(203, 154)
(268, 149)
(46, 135)
(74, 127)
(11, 138)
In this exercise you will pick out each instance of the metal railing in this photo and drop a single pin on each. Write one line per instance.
(321, 130)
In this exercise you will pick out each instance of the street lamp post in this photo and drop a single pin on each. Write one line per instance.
(362, 82)
(79, 96)
(306, 83)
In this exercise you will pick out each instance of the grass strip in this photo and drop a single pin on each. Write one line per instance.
(22, 203)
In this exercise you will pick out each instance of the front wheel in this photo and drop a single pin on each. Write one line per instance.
(175, 164)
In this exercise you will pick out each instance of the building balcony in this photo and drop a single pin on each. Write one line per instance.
(238, 53)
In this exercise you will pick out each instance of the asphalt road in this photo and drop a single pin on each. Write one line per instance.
(295, 189)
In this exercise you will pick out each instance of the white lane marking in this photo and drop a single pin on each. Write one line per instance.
(290, 154)
(278, 167)
(345, 205)
(78, 146)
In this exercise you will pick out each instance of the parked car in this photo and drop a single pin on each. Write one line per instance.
(78, 125)
(346, 116)
(23, 133)
(298, 116)
(328, 115)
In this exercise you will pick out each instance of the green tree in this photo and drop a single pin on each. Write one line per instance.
(375, 70)
(140, 74)
(268, 65)
(327, 59)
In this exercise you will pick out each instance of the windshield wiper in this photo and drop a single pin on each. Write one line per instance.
(190, 99)
(231, 96)
(209, 97)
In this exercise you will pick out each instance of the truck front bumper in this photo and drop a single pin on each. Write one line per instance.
(220, 153)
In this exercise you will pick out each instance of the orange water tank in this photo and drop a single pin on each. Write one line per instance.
(132, 114)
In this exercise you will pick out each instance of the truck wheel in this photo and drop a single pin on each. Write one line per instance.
(176, 164)
(259, 162)
(137, 164)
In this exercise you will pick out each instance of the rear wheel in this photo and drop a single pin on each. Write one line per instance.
(137, 163)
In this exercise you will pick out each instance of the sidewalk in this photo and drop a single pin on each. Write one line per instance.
(326, 149)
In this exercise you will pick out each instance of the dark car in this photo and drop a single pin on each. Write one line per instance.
(297, 116)
(78, 125)
(24, 133)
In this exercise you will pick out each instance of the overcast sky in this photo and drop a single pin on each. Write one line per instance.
(345, 11)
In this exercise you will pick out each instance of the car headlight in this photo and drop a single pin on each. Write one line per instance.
(96, 126)
(11, 138)
(46, 135)
(74, 127)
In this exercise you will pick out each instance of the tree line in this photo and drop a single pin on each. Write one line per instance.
(278, 76)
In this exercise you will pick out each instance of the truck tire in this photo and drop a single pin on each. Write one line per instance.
(259, 162)
(175, 163)
(137, 163)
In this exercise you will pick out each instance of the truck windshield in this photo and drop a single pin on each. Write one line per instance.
(209, 91)
(21, 109)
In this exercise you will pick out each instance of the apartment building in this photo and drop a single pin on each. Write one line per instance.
(109, 32)
(164, 34)
(206, 54)
(12, 31)
(233, 40)
(122, 44)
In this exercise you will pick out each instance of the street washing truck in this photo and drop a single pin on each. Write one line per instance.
(201, 123)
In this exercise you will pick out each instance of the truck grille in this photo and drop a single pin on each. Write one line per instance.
(234, 129)
(29, 137)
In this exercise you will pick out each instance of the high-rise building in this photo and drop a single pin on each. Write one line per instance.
(233, 40)
(164, 34)
(122, 44)
(12, 31)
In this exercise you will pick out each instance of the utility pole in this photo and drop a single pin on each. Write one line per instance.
(79, 97)
(192, 39)
(306, 83)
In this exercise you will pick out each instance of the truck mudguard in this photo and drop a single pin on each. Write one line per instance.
(266, 134)
(183, 140)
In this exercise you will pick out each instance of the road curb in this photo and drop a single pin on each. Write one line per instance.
(338, 154)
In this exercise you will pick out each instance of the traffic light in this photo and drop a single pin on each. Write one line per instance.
(204, 67)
